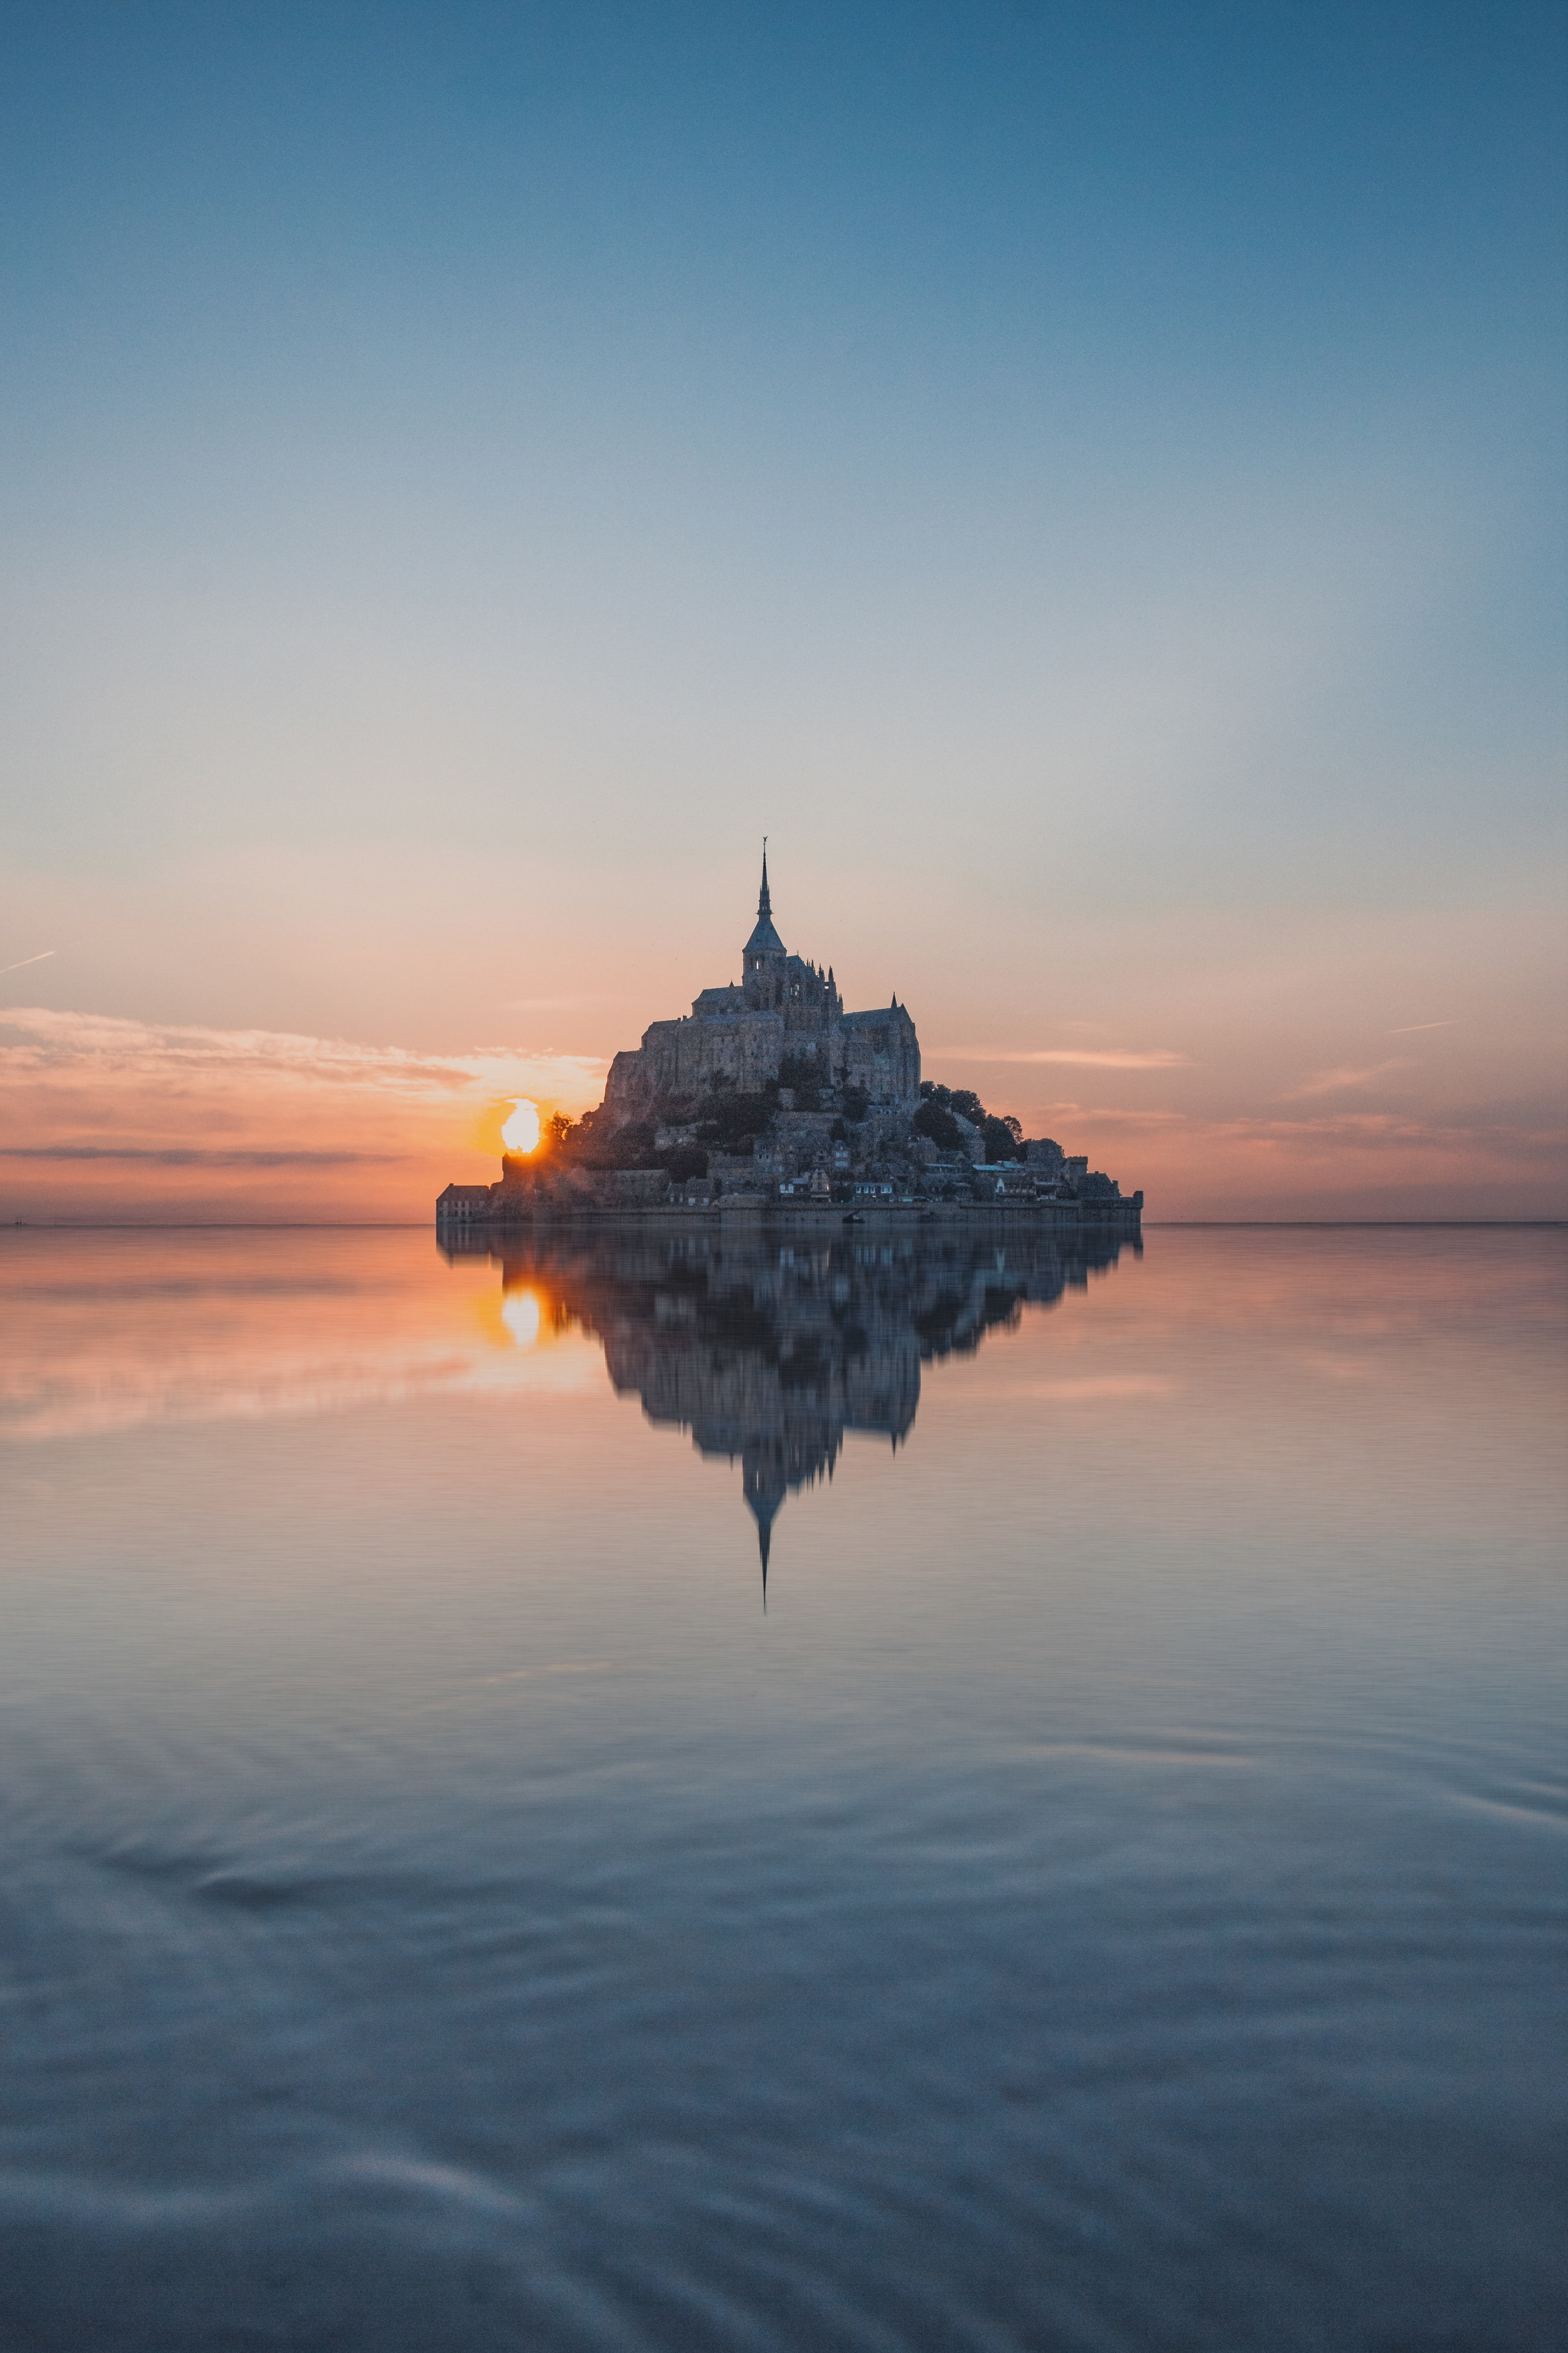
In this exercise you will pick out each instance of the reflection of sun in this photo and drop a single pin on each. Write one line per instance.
(520, 1133)
(520, 1314)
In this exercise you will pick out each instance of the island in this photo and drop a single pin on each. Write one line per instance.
(769, 1099)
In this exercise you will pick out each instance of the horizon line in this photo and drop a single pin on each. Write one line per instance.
(419, 1225)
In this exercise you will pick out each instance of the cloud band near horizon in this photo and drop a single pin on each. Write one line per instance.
(136, 1113)
(112, 1116)
(1097, 1058)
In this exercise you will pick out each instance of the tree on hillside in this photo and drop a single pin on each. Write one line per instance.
(941, 1108)
(936, 1121)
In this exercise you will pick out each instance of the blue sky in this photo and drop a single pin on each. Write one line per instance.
(1087, 480)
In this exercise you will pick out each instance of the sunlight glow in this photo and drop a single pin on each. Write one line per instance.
(520, 1133)
(520, 1314)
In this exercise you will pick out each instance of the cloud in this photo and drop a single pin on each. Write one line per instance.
(111, 1046)
(106, 1115)
(1107, 1058)
(1519, 1137)
(189, 1157)
(1332, 1082)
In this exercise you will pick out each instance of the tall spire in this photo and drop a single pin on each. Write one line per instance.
(765, 941)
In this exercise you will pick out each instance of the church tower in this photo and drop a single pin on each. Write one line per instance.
(763, 958)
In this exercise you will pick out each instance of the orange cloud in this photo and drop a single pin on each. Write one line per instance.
(109, 1116)
(122, 1120)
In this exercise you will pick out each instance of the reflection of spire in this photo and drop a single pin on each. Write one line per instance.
(764, 1486)
(769, 1356)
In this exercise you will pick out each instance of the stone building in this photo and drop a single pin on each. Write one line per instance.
(459, 1203)
(783, 1010)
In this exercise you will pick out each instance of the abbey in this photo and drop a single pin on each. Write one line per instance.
(784, 1018)
(768, 1096)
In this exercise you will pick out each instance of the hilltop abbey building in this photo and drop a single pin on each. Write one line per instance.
(783, 1011)
(768, 1093)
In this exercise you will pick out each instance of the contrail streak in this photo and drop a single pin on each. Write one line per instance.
(4, 968)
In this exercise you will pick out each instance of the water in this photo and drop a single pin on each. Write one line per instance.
(1113, 1896)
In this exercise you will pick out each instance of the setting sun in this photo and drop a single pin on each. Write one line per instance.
(520, 1314)
(520, 1133)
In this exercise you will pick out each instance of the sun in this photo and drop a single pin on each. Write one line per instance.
(520, 1133)
(520, 1314)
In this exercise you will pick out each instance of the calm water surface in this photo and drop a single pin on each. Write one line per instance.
(1112, 1896)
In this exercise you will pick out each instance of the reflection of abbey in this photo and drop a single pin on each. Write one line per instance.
(770, 1351)
(768, 1096)
(782, 1014)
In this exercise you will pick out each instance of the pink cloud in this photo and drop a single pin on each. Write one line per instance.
(1331, 1083)
(1098, 1058)
(110, 1116)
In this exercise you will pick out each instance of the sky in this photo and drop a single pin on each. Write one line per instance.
(1086, 482)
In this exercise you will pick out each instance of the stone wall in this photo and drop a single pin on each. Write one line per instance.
(880, 1052)
(685, 1058)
